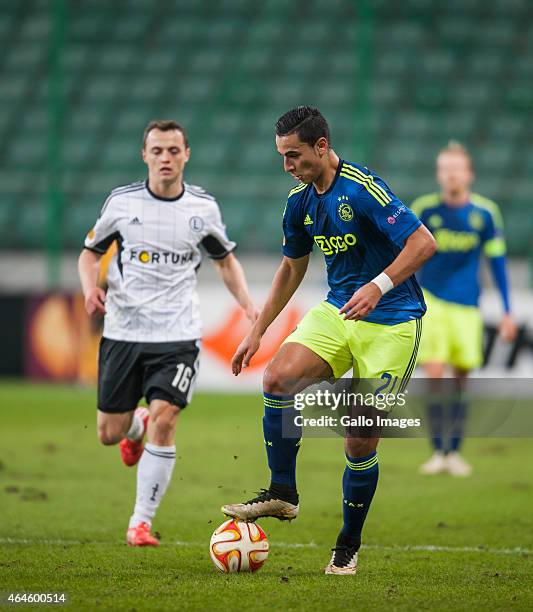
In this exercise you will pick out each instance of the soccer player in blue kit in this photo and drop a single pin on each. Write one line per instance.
(465, 226)
(370, 320)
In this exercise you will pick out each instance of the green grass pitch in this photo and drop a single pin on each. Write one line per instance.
(434, 543)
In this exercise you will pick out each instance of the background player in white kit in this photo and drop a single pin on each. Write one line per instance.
(152, 323)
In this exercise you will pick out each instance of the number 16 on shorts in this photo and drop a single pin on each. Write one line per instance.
(182, 380)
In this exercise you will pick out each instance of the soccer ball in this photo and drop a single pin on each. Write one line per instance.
(237, 546)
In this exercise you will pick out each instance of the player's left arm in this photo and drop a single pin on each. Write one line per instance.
(232, 274)
(400, 225)
(495, 249)
(219, 249)
(507, 328)
(419, 247)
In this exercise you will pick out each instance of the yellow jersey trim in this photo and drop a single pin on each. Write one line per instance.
(423, 202)
(297, 189)
(367, 181)
(489, 205)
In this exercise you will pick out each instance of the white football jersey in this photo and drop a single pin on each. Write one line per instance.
(151, 293)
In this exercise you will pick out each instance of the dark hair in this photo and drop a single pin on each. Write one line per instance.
(165, 125)
(307, 122)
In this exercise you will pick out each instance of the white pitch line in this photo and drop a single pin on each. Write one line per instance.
(274, 544)
(465, 549)
(426, 548)
(51, 542)
(44, 541)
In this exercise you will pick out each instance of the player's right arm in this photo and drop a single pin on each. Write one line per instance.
(287, 279)
(88, 266)
(97, 242)
(297, 246)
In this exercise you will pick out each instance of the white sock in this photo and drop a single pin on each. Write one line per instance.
(153, 475)
(136, 429)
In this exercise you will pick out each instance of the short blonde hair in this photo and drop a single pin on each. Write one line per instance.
(454, 146)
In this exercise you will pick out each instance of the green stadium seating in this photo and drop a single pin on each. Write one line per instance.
(30, 222)
(395, 88)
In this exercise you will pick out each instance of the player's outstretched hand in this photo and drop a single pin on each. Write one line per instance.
(95, 302)
(362, 302)
(508, 328)
(245, 351)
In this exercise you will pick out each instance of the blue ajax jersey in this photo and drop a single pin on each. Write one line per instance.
(361, 227)
(462, 234)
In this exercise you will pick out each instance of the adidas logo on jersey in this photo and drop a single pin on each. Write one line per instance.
(135, 221)
(308, 220)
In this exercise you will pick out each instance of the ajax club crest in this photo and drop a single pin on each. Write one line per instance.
(345, 210)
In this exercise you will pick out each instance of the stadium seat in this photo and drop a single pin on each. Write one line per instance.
(455, 31)
(507, 128)
(491, 158)
(30, 222)
(85, 28)
(115, 58)
(474, 93)
(159, 60)
(432, 95)
(35, 27)
(15, 88)
(439, 63)
(496, 33)
(520, 95)
(75, 58)
(130, 27)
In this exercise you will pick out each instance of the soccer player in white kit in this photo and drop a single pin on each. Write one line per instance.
(152, 325)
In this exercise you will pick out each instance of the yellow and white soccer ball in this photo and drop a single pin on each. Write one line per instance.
(237, 546)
